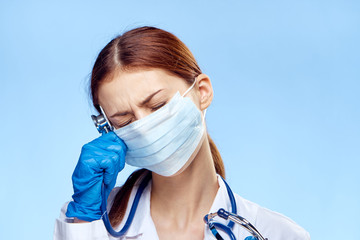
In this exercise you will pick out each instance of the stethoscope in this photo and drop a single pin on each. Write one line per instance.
(103, 127)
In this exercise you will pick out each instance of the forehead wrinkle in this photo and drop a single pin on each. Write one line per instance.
(134, 90)
(149, 97)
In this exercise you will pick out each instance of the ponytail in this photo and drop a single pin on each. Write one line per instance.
(218, 162)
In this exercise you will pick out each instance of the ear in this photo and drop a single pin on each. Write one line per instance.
(205, 91)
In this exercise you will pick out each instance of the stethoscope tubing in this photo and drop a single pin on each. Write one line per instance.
(212, 225)
(134, 206)
(226, 228)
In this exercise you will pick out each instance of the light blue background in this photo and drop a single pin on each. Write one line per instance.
(285, 115)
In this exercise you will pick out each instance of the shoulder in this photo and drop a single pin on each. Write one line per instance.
(271, 224)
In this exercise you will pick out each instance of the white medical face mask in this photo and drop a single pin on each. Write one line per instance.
(164, 141)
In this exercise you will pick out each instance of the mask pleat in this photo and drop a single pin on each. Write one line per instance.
(164, 141)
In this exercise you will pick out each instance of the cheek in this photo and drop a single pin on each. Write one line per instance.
(195, 99)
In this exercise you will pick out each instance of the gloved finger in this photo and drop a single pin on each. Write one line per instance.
(111, 142)
(113, 137)
(112, 166)
(104, 145)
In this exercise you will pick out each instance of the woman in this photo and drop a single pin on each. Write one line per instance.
(154, 94)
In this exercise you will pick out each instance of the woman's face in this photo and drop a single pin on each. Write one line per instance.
(130, 96)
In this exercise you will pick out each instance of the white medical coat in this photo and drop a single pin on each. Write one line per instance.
(271, 225)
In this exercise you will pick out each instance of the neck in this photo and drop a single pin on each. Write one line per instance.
(187, 196)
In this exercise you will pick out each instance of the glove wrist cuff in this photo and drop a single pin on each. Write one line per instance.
(82, 213)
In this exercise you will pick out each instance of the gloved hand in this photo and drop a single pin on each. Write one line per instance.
(100, 161)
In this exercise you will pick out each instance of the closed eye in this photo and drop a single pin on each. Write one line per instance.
(120, 125)
(158, 106)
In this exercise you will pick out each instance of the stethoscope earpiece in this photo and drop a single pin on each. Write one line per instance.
(101, 124)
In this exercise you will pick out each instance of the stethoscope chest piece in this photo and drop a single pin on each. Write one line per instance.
(233, 218)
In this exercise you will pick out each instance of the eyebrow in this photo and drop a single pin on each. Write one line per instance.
(141, 104)
(150, 97)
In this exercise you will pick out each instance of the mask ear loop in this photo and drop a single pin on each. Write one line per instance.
(189, 89)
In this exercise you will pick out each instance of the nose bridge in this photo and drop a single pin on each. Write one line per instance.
(140, 112)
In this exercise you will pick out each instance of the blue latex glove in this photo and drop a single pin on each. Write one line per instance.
(100, 161)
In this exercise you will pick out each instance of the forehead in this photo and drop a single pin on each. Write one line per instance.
(125, 86)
